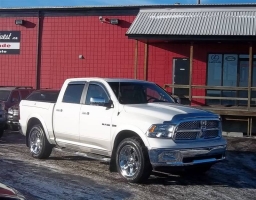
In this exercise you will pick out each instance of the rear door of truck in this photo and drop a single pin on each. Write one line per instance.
(66, 114)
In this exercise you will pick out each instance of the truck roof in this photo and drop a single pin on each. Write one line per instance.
(105, 79)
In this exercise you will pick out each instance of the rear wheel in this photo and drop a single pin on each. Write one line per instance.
(39, 146)
(132, 160)
(1, 132)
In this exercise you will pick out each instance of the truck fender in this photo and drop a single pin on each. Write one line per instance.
(134, 129)
(47, 134)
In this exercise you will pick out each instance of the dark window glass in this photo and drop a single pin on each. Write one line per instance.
(44, 96)
(96, 91)
(15, 96)
(24, 93)
(139, 93)
(4, 95)
(73, 93)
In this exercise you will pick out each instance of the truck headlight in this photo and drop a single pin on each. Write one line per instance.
(161, 131)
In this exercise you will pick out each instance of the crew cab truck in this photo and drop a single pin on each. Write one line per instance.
(134, 124)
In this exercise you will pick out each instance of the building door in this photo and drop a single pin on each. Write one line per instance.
(181, 76)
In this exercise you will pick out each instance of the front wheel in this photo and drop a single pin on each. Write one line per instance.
(132, 160)
(39, 146)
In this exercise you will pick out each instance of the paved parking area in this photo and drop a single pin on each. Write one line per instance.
(66, 176)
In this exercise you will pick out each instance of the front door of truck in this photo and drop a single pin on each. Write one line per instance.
(96, 120)
(66, 114)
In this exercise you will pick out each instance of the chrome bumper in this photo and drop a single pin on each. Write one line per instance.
(186, 157)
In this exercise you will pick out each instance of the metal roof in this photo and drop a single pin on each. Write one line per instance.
(231, 21)
(128, 6)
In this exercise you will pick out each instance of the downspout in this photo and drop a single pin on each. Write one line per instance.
(38, 56)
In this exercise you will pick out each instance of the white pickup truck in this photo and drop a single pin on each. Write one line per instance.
(134, 124)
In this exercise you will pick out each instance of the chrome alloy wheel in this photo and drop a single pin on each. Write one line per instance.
(36, 141)
(128, 161)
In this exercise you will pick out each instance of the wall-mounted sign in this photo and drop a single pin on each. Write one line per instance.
(9, 42)
(214, 69)
(230, 58)
(215, 58)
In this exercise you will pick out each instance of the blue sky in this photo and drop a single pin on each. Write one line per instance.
(39, 3)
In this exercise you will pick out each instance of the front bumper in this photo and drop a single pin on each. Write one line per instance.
(186, 157)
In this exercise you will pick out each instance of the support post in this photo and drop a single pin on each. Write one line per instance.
(146, 62)
(136, 59)
(38, 56)
(191, 69)
(250, 77)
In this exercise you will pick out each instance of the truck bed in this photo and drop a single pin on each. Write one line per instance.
(39, 110)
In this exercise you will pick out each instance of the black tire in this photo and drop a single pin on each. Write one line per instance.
(144, 167)
(45, 151)
(198, 169)
(1, 132)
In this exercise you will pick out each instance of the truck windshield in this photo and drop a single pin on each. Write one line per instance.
(139, 93)
(4, 95)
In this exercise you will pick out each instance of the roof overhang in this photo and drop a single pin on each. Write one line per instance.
(195, 24)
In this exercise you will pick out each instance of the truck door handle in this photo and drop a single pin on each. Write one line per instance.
(59, 110)
(85, 113)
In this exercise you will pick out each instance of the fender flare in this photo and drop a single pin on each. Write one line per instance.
(134, 129)
(40, 119)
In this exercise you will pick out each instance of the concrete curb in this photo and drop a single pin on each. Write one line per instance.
(233, 134)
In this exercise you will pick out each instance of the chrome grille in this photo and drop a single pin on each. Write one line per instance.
(211, 134)
(212, 124)
(189, 125)
(200, 129)
(186, 135)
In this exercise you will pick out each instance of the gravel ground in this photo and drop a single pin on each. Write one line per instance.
(66, 176)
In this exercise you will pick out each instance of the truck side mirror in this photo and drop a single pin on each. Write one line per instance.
(109, 104)
(177, 100)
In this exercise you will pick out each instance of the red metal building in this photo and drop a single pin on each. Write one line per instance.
(207, 45)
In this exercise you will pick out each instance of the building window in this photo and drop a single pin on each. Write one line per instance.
(229, 70)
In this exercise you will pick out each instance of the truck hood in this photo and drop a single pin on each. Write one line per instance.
(167, 111)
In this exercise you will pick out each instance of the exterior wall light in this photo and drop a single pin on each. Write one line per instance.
(19, 21)
(114, 21)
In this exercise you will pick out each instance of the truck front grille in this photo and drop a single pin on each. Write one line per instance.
(198, 129)
(186, 135)
(211, 134)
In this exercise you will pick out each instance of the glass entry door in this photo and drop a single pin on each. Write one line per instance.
(229, 77)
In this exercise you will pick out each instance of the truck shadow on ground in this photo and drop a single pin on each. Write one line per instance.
(13, 137)
(237, 171)
(71, 158)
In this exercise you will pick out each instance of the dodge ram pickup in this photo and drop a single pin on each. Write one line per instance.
(133, 124)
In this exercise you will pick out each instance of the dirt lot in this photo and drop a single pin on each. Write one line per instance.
(66, 176)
